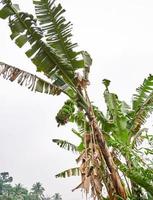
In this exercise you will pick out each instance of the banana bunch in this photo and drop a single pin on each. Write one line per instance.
(65, 112)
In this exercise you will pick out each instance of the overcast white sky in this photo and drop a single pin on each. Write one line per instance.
(119, 36)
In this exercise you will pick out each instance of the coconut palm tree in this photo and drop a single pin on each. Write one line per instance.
(108, 153)
(37, 191)
(56, 196)
(5, 181)
(19, 192)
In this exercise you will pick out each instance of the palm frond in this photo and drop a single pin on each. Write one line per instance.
(65, 144)
(24, 29)
(57, 30)
(69, 172)
(32, 82)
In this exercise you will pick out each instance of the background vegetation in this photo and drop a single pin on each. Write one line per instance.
(19, 192)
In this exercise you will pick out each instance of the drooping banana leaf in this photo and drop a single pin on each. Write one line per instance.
(66, 145)
(69, 172)
(32, 82)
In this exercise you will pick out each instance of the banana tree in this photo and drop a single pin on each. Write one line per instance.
(131, 148)
(108, 158)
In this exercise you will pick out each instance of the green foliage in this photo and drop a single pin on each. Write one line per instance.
(117, 117)
(142, 93)
(37, 191)
(19, 192)
(106, 83)
(57, 30)
(56, 196)
(5, 12)
(51, 47)
(87, 63)
(142, 103)
(5, 181)
(105, 124)
(78, 118)
(140, 179)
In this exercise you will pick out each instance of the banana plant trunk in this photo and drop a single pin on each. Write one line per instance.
(116, 180)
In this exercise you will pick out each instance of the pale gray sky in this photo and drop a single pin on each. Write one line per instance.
(119, 36)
